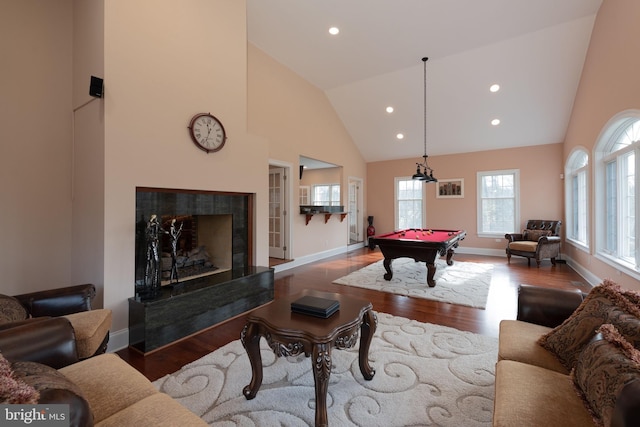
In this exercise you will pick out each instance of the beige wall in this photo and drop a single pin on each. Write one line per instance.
(164, 64)
(609, 85)
(297, 119)
(540, 190)
(87, 169)
(35, 144)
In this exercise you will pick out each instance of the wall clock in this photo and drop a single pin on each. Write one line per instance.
(207, 132)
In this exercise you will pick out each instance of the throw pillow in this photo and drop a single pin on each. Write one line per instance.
(12, 389)
(11, 310)
(604, 367)
(54, 388)
(535, 235)
(606, 303)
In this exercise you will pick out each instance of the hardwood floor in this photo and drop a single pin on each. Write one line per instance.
(501, 303)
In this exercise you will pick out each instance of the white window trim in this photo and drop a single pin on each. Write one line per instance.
(331, 185)
(600, 154)
(569, 172)
(396, 216)
(479, 175)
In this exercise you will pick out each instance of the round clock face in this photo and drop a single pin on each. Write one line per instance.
(207, 132)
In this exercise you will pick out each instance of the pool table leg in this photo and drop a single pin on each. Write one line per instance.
(431, 271)
(387, 266)
(449, 256)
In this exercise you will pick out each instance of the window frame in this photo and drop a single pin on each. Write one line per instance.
(577, 167)
(396, 215)
(331, 201)
(516, 201)
(608, 153)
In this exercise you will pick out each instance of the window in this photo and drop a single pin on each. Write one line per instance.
(617, 153)
(498, 202)
(304, 191)
(326, 195)
(576, 201)
(409, 196)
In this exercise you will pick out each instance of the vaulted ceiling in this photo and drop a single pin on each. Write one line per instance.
(534, 49)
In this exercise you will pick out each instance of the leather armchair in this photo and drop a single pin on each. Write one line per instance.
(33, 310)
(540, 240)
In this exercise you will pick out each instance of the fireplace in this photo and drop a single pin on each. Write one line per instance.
(214, 233)
(216, 278)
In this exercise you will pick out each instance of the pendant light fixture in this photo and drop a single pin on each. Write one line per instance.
(426, 174)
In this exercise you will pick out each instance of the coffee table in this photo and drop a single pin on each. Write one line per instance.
(290, 334)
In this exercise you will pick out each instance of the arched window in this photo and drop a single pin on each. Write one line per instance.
(617, 224)
(576, 174)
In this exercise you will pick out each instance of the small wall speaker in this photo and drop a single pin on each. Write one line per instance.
(96, 86)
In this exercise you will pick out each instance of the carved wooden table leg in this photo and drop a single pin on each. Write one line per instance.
(250, 338)
(321, 372)
(368, 328)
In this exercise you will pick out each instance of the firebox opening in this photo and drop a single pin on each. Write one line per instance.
(204, 246)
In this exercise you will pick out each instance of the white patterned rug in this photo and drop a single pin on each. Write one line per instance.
(425, 375)
(463, 283)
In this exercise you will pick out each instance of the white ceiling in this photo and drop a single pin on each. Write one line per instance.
(534, 49)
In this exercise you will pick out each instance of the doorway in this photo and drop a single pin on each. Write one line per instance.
(279, 213)
(355, 210)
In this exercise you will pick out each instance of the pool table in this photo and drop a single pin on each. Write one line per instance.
(420, 244)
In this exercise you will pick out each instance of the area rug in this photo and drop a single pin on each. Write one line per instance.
(426, 375)
(463, 283)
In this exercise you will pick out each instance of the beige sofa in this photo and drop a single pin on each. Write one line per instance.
(121, 396)
(573, 376)
(102, 390)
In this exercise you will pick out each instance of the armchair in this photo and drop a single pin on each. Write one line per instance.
(91, 327)
(539, 240)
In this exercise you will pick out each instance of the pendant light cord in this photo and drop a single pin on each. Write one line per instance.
(424, 61)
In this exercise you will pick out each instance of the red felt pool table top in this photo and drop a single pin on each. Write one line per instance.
(421, 234)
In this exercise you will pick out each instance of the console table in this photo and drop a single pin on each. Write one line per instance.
(185, 308)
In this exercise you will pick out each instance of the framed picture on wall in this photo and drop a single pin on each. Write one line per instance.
(450, 188)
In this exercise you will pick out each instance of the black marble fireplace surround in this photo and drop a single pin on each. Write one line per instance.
(189, 203)
(179, 310)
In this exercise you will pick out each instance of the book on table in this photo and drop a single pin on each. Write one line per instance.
(315, 306)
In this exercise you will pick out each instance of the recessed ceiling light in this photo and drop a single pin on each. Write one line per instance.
(494, 87)
(389, 109)
(400, 136)
(334, 31)
(495, 122)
